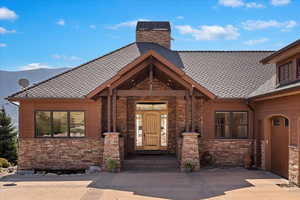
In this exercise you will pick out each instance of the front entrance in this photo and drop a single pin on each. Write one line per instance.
(151, 126)
(279, 146)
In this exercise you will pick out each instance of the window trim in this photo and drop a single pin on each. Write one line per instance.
(230, 127)
(298, 68)
(51, 123)
(289, 66)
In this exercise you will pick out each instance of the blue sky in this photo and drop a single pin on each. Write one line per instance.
(65, 33)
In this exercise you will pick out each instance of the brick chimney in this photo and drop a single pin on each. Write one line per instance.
(156, 32)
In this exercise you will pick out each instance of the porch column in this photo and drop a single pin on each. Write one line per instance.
(109, 110)
(114, 110)
(293, 165)
(187, 116)
(190, 150)
(111, 149)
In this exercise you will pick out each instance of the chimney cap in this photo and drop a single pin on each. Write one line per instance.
(153, 26)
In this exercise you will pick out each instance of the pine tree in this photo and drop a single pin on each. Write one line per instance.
(8, 138)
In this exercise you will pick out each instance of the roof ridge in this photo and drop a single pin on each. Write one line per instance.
(72, 69)
(225, 51)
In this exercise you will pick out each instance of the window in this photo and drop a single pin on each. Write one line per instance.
(163, 129)
(76, 124)
(151, 106)
(298, 69)
(59, 124)
(232, 125)
(43, 125)
(284, 72)
(139, 130)
(276, 122)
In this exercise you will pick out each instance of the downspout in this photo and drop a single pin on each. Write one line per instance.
(253, 132)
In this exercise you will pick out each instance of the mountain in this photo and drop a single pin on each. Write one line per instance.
(9, 85)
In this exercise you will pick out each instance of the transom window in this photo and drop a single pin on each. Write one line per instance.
(151, 106)
(231, 125)
(59, 124)
(284, 72)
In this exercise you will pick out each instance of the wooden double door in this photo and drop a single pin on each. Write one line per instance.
(151, 133)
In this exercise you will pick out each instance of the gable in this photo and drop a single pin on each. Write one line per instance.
(153, 60)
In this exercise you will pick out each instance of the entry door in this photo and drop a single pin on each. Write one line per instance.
(279, 146)
(151, 130)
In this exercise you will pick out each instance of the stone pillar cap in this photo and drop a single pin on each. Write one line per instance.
(111, 133)
(190, 134)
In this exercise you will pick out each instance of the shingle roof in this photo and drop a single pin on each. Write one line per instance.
(150, 26)
(227, 74)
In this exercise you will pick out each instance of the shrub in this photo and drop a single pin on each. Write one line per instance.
(112, 165)
(4, 163)
(8, 138)
(188, 165)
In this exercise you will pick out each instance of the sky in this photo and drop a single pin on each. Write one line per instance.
(66, 33)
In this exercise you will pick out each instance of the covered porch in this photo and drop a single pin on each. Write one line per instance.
(152, 106)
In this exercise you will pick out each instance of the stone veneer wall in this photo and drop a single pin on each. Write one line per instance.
(112, 149)
(161, 37)
(294, 164)
(227, 152)
(59, 153)
(263, 155)
(190, 150)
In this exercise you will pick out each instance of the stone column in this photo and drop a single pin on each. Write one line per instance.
(190, 150)
(111, 148)
(294, 165)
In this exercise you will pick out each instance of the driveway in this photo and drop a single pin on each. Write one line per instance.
(234, 183)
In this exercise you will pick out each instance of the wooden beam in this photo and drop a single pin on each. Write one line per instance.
(129, 74)
(114, 110)
(187, 100)
(192, 112)
(146, 93)
(151, 78)
(109, 111)
(173, 75)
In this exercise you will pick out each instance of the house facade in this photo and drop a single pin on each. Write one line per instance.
(145, 97)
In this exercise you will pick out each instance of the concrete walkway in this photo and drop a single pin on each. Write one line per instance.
(235, 183)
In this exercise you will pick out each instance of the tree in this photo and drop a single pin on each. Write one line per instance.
(8, 138)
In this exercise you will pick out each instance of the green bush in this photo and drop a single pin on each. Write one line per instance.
(188, 165)
(112, 165)
(8, 138)
(4, 163)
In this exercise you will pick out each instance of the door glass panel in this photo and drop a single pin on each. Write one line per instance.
(139, 130)
(163, 130)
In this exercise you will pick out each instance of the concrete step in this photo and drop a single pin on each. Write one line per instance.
(151, 163)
